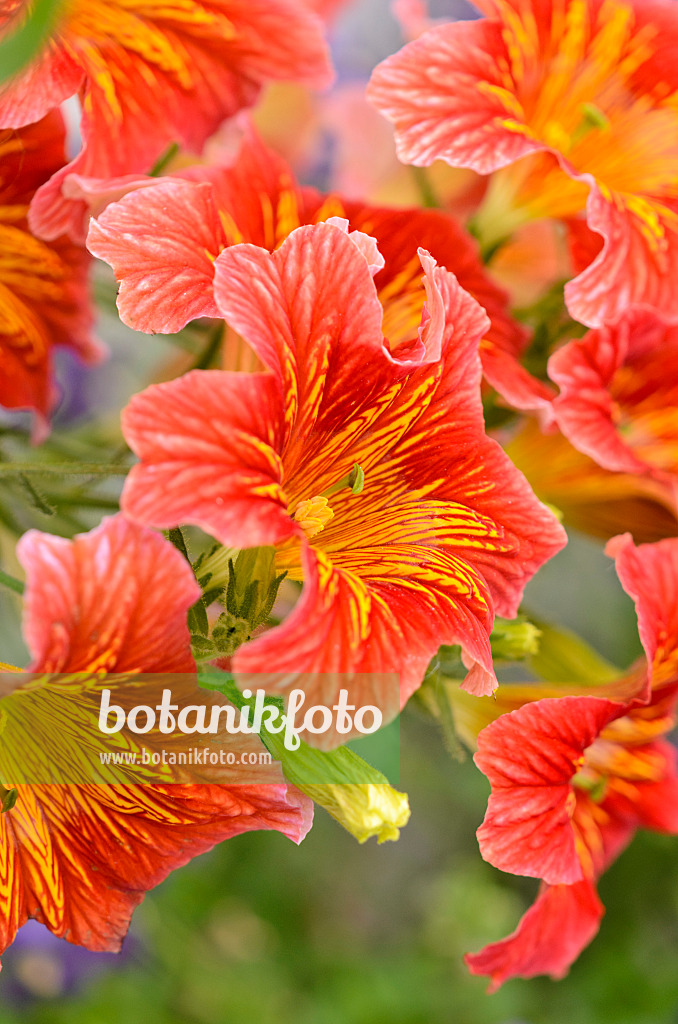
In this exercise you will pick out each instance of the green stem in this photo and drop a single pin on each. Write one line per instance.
(85, 501)
(214, 339)
(11, 583)
(163, 161)
(428, 197)
(20, 47)
(305, 766)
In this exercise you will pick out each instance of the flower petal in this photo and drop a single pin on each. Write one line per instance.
(371, 624)
(162, 243)
(551, 935)
(447, 98)
(151, 80)
(114, 599)
(530, 756)
(637, 265)
(649, 575)
(80, 858)
(40, 88)
(208, 444)
(44, 293)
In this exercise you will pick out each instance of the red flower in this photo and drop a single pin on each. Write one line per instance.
(44, 298)
(574, 777)
(150, 73)
(619, 398)
(79, 858)
(593, 499)
(444, 532)
(580, 96)
(163, 239)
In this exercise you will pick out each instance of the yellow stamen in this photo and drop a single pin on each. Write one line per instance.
(313, 515)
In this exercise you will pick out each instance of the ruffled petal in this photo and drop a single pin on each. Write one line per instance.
(114, 599)
(637, 265)
(447, 99)
(162, 243)
(209, 445)
(561, 922)
(530, 756)
(649, 575)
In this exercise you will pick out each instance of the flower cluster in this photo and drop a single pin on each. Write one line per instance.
(389, 405)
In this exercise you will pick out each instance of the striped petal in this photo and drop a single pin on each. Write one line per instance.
(99, 602)
(154, 73)
(44, 295)
(80, 857)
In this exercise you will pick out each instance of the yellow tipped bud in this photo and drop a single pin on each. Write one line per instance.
(364, 809)
(313, 515)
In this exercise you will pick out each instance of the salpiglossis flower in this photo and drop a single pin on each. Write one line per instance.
(590, 498)
(44, 298)
(574, 777)
(152, 72)
(163, 237)
(618, 399)
(444, 532)
(79, 857)
(571, 105)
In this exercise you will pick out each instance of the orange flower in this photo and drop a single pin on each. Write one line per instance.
(619, 397)
(571, 106)
(595, 500)
(444, 531)
(80, 857)
(162, 240)
(44, 298)
(573, 777)
(152, 72)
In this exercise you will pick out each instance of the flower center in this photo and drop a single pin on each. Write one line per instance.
(313, 515)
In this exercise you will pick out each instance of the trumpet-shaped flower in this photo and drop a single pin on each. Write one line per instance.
(571, 106)
(150, 73)
(44, 299)
(445, 530)
(162, 240)
(619, 398)
(599, 501)
(574, 777)
(80, 857)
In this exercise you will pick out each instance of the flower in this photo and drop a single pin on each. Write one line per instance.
(44, 298)
(163, 238)
(599, 501)
(573, 777)
(571, 106)
(152, 73)
(80, 857)
(444, 532)
(618, 399)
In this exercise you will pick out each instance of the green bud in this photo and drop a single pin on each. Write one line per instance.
(514, 639)
(357, 795)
